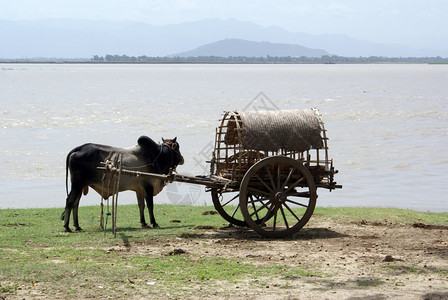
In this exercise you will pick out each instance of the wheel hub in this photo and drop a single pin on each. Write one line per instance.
(280, 197)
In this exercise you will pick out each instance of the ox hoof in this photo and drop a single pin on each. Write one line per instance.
(67, 229)
(156, 225)
(146, 226)
(78, 229)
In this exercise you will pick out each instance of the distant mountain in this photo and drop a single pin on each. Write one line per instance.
(82, 38)
(238, 47)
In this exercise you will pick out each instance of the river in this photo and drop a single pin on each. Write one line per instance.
(387, 124)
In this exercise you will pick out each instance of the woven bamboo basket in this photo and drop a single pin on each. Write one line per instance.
(244, 138)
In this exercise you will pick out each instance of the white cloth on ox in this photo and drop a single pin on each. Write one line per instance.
(290, 130)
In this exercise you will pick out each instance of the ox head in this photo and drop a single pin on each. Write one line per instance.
(173, 145)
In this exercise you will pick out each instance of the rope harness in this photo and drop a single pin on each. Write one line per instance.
(115, 182)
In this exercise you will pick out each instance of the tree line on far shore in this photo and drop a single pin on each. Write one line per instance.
(326, 59)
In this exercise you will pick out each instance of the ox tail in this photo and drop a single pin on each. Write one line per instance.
(66, 171)
(66, 177)
(67, 161)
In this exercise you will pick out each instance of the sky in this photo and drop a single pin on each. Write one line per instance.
(417, 23)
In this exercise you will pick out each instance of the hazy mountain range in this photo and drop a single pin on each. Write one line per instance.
(70, 38)
(238, 47)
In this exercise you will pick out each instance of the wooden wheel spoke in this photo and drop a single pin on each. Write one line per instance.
(259, 199)
(284, 217)
(255, 191)
(254, 208)
(257, 210)
(235, 210)
(271, 179)
(288, 178)
(295, 184)
(297, 203)
(275, 221)
(228, 209)
(278, 176)
(262, 199)
(268, 214)
(290, 210)
(237, 195)
(264, 183)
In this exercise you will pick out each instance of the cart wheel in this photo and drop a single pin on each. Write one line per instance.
(227, 204)
(280, 190)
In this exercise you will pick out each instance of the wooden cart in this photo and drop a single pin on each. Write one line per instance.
(275, 160)
(265, 169)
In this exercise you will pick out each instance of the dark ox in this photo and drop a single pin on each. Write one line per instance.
(146, 156)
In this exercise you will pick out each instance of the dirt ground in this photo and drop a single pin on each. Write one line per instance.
(361, 260)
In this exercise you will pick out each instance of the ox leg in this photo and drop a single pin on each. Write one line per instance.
(72, 198)
(141, 207)
(150, 204)
(75, 215)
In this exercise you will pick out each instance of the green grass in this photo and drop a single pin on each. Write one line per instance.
(391, 215)
(34, 249)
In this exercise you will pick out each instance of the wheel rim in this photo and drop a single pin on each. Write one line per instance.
(228, 206)
(277, 196)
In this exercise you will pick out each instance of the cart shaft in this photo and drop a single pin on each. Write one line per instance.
(212, 182)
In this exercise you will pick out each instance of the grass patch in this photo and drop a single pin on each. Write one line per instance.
(36, 252)
(392, 215)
